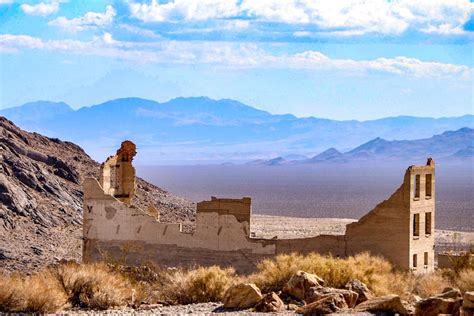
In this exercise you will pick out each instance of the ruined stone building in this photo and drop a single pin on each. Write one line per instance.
(400, 228)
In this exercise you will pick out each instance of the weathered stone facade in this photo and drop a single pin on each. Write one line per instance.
(399, 228)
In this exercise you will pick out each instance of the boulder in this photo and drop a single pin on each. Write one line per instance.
(361, 289)
(389, 303)
(270, 303)
(433, 306)
(450, 292)
(468, 302)
(318, 292)
(410, 297)
(331, 303)
(300, 283)
(242, 295)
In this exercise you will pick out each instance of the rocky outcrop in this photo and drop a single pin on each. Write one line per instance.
(388, 303)
(468, 301)
(271, 303)
(242, 296)
(318, 292)
(361, 289)
(41, 198)
(301, 283)
(448, 302)
(332, 303)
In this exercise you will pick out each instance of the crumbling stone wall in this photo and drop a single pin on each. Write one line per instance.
(115, 230)
(397, 228)
(117, 175)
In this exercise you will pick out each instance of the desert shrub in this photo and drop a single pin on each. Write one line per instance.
(42, 293)
(9, 299)
(391, 283)
(273, 274)
(465, 280)
(93, 285)
(204, 284)
(39, 293)
(429, 284)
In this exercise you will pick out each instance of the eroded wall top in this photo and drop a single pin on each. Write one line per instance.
(117, 174)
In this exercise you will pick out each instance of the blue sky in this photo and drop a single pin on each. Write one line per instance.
(351, 59)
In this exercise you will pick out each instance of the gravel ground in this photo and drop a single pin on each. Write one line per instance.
(191, 309)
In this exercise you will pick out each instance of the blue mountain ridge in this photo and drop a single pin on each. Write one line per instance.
(200, 128)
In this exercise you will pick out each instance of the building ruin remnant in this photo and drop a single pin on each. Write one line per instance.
(117, 175)
(401, 228)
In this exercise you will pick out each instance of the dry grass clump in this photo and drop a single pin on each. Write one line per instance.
(336, 272)
(204, 284)
(39, 293)
(429, 284)
(93, 286)
(465, 280)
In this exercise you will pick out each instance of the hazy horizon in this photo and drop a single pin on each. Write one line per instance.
(253, 106)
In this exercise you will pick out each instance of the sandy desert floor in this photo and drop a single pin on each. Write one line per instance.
(265, 226)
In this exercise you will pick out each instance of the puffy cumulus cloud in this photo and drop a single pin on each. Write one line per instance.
(235, 55)
(41, 8)
(342, 18)
(184, 10)
(89, 20)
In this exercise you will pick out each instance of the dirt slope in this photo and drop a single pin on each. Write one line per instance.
(41, 198)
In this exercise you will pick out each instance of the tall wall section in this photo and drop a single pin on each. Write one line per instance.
(114, 230)
(398, 228)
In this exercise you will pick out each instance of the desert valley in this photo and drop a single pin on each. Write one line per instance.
(42, 202)
(237, 157)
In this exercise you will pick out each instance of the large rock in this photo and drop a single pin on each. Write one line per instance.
(436, 305)
(270, 303)
(242, 295)
(318, 292)
(468, 301)
(450, 292)
(331, 303)
(448, 302)
(410, 298)
(388, 303)
(300, 283)
(361, 289)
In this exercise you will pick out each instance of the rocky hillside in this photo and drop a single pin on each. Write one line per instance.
(41, 198)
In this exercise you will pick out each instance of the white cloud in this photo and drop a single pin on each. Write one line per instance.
(41, 8)
(225, 54)
(89, 20)
(183, 10)
(139, 31)
(6, 1)
(342, 18)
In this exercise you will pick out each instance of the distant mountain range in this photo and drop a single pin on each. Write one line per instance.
(202, 129)
(451, 145)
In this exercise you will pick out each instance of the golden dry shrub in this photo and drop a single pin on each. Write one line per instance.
(274, 273)
(430, 284)
(93, 286)
(209, 284)
(465, 280)
(203, 284)
(42, 293)
(9, 286)
(39, 293)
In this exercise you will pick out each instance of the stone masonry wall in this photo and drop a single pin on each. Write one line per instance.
(113, 230)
